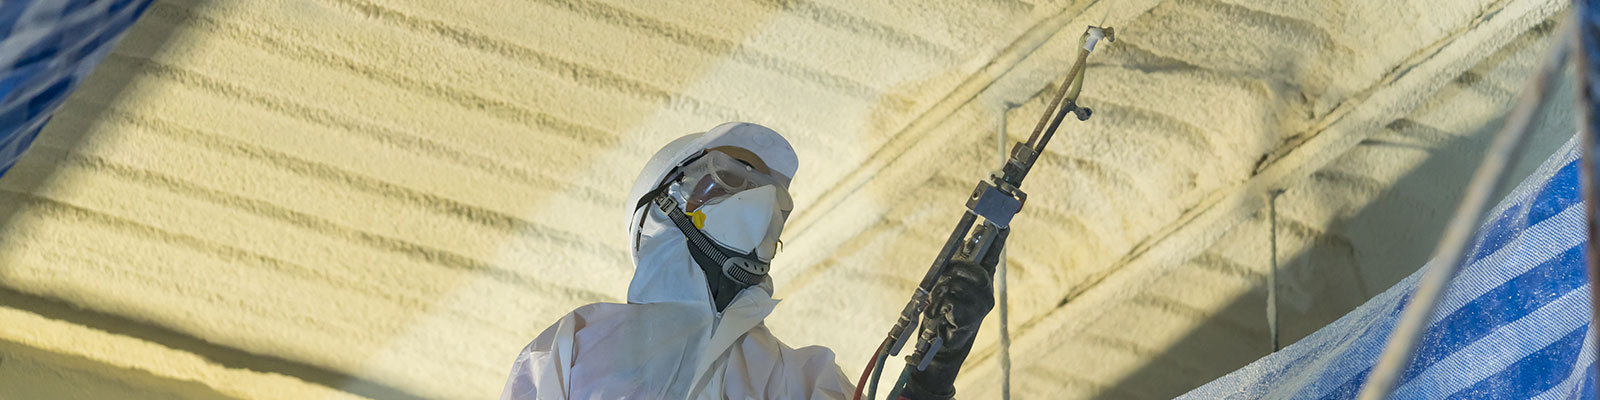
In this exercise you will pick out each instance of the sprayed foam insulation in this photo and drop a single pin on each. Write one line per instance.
(390, 198)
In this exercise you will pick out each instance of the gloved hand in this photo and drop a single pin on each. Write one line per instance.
(961, 297)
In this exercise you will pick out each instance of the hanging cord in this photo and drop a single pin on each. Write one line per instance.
(1000, 280)
(1492, 173)
(1272, 275)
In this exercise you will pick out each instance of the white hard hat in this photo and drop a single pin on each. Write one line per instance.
(767, 144)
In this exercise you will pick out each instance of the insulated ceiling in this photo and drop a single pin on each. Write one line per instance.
(390, 198)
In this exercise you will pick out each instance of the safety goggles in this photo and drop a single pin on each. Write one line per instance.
(715, 175)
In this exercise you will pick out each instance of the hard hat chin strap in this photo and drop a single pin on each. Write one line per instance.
(727, 272)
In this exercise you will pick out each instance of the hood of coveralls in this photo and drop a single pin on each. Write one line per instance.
(663, 269)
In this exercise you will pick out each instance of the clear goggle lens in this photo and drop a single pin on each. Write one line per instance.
(716, 175)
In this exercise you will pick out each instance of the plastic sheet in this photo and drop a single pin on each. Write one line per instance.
(1513, 324)
(46, 48)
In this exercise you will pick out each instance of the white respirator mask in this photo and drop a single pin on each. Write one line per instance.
(746, 221)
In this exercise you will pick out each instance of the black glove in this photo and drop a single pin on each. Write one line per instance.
(961, 298)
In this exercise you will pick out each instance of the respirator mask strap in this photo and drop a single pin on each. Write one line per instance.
(745, 269)
(727, 272)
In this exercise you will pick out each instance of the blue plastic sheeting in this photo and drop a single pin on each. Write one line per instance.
(46, 48)
(1512, 325)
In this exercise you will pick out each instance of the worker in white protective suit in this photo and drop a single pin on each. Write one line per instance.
(706, 213)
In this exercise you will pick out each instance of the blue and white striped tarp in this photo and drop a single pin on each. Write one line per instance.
(1512, 325)
(46, 48)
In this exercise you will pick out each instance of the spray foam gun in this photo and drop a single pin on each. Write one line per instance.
(997, 200)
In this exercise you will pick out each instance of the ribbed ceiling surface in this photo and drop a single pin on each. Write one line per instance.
(390, 198)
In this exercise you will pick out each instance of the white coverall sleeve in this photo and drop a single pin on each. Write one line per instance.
(542, 370)
(820, 372)
(788, 373)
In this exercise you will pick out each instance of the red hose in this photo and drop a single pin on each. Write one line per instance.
(862, 383)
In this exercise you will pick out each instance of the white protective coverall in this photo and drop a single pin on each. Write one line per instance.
(668, 341)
